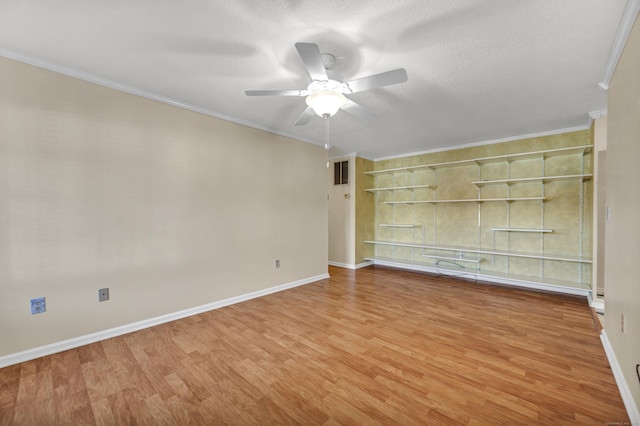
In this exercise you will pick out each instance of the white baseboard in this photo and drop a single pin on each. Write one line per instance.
(596, 303)
(598, 306)
(64, 345)
(488, 278)
(351, 266)
(625, 392)
(342, 265)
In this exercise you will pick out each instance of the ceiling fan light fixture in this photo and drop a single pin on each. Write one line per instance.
(326, 102)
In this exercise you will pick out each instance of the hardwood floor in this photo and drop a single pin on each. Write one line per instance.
(373, 346)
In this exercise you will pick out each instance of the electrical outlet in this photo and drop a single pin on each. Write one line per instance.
(103, 294)
(277, 263)
(38, 306)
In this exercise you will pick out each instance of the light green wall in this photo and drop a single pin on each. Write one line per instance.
(469, 224)
(168, 208)
(622, 247)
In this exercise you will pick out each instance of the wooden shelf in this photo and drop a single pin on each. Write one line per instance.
(493, 159)
(467, 200)
(561, 258)
(393, 188)
(397, 225)
(543, 179)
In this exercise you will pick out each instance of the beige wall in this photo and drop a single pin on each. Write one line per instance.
(622, 251)
(342, 216)
(351, 218)
(168, 208)
(599, 204)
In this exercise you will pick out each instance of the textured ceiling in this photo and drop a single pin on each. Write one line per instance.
(478, 70)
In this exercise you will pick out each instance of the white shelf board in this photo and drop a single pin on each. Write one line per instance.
(397, 225)
(467, 200)
(555, 257)
(393, 188)
(453, 259)
(523, 281)
(497, 158)
(423, 246)
(538, 230)
(542, 179)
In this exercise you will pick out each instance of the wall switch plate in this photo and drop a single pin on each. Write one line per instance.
(38, 305)
(103, 294)
(277, 263)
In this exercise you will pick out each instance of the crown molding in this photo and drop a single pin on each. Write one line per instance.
(490, 142)
(624, 29)
(594, 115)
(338, 157)
(597, 114)
(101, 81)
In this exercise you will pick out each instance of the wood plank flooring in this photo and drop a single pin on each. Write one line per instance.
(375, 346)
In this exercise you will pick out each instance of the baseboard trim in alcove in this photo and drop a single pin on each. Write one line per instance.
(350, 266)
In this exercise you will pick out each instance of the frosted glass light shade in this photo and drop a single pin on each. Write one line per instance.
(326, 102)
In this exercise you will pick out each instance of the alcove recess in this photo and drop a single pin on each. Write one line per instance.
(515, 212)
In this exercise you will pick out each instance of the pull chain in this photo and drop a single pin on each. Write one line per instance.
(326, 120)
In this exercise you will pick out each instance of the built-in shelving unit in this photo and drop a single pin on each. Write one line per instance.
(496, 158)
(522, 230)
(543, 179)
(398, 188)
(486, 218)
(452, 259)
(467, 200)
(548, 284)
(508, 253)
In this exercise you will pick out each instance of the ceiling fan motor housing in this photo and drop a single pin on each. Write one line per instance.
(331, 84)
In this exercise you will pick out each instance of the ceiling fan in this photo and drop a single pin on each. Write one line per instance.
(325, 95)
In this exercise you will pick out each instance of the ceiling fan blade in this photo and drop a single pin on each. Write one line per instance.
(305, 117)
(358, 111)
(310, 54)
(276, 92)
(378, 80)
